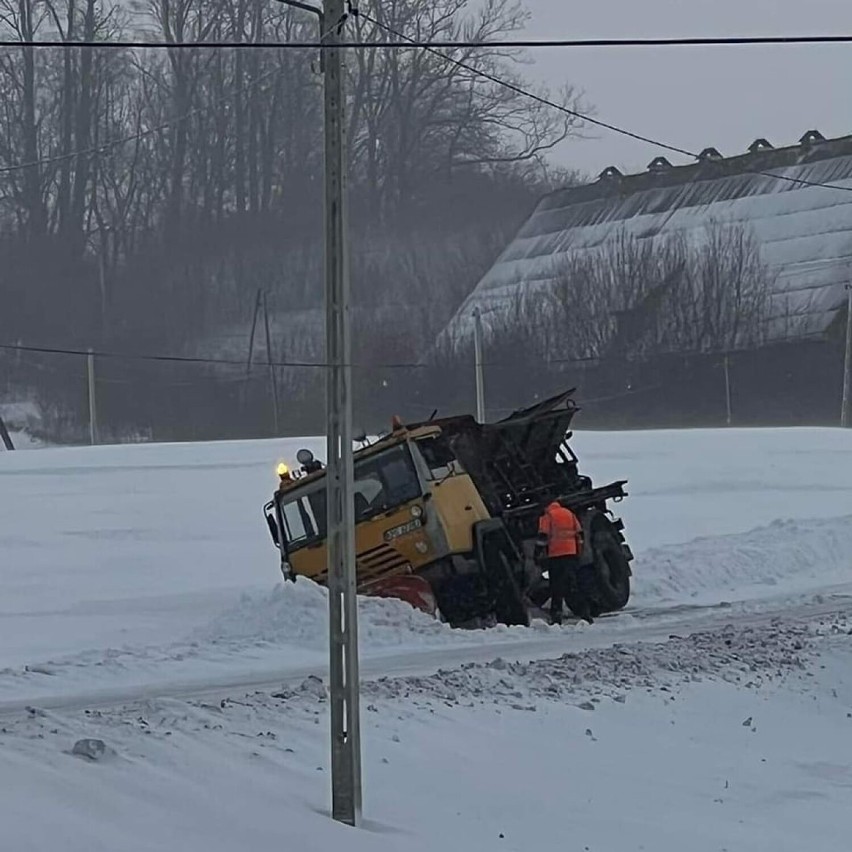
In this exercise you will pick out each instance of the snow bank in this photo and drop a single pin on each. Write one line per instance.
(25, 441)
(748, 655)
(297, 614)
(134, 547)
(786, 556)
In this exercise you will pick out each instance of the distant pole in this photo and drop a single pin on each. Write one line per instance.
(728, 387)
(845, 414)
(342, 601)
(93, 417)
(478, 365)
(273, 382)
(253, 333)
(4, 434)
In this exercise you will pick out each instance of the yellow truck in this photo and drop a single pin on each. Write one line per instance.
(447, 514)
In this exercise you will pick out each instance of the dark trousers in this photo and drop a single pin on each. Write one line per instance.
(564, 572)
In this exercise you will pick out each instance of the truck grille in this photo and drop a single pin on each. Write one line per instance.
(378, 561)
(373, 564)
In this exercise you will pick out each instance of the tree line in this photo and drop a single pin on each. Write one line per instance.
(656, 319)
(146, 195)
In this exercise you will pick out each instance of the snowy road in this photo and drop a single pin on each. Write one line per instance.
(650, 626)
(682, 744)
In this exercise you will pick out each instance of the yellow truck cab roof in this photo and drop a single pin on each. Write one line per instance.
(395, 438)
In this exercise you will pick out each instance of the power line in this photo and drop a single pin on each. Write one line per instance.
(576, 114)
(407, 42)
(509, 44)
(238, 362)
(581, 401)
(521, 91)
(170, 359)
(234, 362)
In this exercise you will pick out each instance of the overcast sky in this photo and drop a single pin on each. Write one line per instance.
(695, 97)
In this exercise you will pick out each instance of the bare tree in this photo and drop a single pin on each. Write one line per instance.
(419, 114)
(145, 195)
(638, 298)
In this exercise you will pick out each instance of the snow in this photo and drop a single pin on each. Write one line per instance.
(294, 613)
(685, 484)
(149, 559)
(130, 544)
(141, 606)
(493, 757)
(22, 419)
(786, 554)
(24, 441)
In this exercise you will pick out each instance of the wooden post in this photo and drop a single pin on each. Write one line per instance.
(847, 364)
(4, 434)
(728, 388)
(93, 415)
(273, 379)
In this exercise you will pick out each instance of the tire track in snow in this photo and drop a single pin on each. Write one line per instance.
(653, 628)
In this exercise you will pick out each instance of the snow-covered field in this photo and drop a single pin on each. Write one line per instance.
(140, 592)
(733, 740)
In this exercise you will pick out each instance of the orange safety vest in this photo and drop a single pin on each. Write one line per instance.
(562, 529)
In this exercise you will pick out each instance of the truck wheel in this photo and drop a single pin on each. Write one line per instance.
(510, 607)
(611, 571)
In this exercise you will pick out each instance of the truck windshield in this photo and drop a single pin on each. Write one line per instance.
(382, 482)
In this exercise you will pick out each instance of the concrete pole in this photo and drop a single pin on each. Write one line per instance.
(93, 414)
(845, 414)
(478, 366)
(342, 601)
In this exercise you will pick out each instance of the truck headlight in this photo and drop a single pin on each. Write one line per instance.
(416, 511)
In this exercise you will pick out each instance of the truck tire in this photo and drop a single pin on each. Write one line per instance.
(610, 570)
(500, 568)
(510, 608)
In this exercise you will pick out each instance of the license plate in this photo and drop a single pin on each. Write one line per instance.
(403, 529)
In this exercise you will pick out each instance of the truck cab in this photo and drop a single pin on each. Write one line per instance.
(415, 506)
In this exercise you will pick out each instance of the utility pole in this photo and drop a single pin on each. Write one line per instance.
(478, 365)
(257, 306)
(5, 436)
(273, 379)
(845, 414)
(727, 366)
(342, 601)
(93, 421)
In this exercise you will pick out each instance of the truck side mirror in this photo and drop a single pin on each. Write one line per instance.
(273, 530)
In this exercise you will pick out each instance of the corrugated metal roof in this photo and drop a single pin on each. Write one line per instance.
(804, 232)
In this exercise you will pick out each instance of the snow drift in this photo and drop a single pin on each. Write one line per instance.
(785, 556)
(297, 614)
(147, 550)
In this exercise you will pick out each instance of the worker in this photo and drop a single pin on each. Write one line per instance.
(560, 542)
